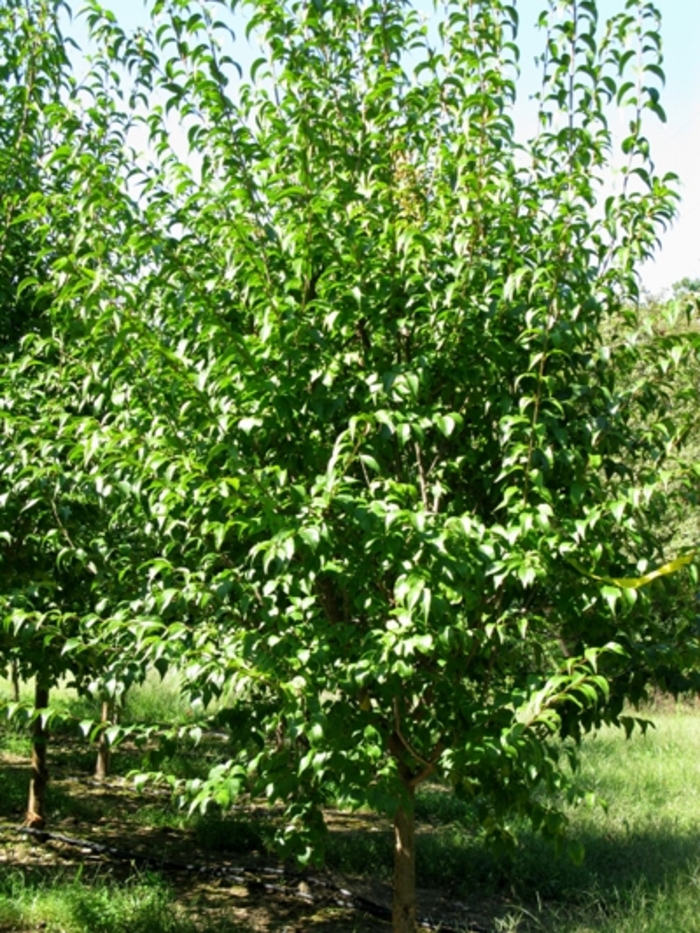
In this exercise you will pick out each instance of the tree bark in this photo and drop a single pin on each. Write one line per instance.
(36, 807)
(403, 908)
(103, 751)
(14, 674)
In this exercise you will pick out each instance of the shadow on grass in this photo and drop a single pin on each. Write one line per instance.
(14, 785)
(612, 865)
(233, 834)
(459, 864)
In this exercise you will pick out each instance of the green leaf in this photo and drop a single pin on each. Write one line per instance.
(611, 595)
(446, 424)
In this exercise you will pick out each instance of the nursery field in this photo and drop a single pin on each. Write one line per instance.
(166, 873)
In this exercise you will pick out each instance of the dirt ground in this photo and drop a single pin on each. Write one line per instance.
(250, 891)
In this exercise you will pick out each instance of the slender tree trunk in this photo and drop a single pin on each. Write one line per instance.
(36, 808)
(103, 751)
(403, 908)
(14, 675)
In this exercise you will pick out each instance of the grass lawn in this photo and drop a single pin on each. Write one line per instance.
(642, 868)
(641, 872)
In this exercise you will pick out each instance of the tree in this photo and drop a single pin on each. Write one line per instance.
(355, 375)
(32, 62)
(54, 531)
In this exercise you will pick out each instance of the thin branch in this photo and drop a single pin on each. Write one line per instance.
(411, 751)
(61, 525)
(421, 477)
(430, 767)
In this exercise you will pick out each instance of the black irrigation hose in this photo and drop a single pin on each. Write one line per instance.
(254, 880)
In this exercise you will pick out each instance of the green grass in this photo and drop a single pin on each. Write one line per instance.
(641, 873)
(642, 866)
(157, 700)
(64, 904)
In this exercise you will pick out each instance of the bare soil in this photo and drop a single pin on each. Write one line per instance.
(246, 895)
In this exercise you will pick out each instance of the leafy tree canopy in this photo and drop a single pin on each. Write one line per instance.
(355, 380)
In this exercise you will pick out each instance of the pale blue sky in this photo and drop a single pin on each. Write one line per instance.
(675, 145)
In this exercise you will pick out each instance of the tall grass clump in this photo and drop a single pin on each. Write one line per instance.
(143, 904)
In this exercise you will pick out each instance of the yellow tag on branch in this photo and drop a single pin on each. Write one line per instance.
(633, 583)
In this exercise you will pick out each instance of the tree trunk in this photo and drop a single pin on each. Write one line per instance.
(36, 808)
(103, 751)
(14, 674)
(403, 908)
